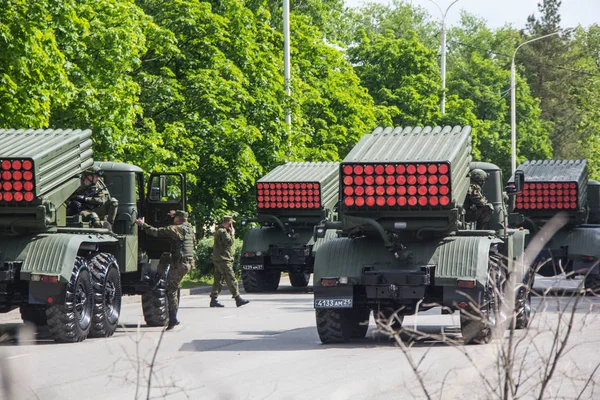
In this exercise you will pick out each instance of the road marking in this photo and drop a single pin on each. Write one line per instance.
(17, 356)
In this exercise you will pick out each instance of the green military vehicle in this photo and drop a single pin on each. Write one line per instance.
(405, 244)
(562, 186)
(55, 268)
(291, 200)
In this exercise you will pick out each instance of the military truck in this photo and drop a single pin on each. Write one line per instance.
(404, 243)
(55, 268)
(562, 186)
(291, 200)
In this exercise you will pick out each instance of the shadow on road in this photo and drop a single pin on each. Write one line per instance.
(307, 339)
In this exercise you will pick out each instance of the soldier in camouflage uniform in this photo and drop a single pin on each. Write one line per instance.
(222, 258)
(93, 201)
(478, 208)
(183, 246)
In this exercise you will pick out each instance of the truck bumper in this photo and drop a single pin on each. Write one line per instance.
(292, 259)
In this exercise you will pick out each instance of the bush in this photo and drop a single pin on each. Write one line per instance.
(204, 264)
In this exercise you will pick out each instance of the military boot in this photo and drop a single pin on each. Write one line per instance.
(173, 322)
(215, 303)
(239, 301)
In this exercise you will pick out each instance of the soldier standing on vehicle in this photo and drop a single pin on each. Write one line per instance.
(183, 245)
(222, 258)
(478, 208)
(92, 200)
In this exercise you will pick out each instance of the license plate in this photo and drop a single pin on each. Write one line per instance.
(253, 267)
(333, 303)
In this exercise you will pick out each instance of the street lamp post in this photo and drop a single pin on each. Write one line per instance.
(443, 61)
(513, 112)
(286, 58)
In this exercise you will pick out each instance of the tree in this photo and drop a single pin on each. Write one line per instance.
(33, 70)
(479, 61)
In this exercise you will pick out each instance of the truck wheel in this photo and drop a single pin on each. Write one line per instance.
(71, 321)
(522, 313)
(592, 284)
(260, 281)
(360, 322)
(273, 278)
(299, 279)
(477, 323)
(106, 280)
(154, 305)
(334, 325)
(34, 313)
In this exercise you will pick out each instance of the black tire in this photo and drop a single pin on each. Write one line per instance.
(155, 306)
(71, 321)
(106, 280)
(260, 281)
(360, 322)
(300, 279)
(34, 313)
(477, 323)
(522, 313)
(334, 325)
(592, 284)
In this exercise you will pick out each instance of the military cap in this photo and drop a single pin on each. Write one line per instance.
(228, 218)
(94, 170)
(180, 213)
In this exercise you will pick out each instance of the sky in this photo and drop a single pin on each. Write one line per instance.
(499, 12)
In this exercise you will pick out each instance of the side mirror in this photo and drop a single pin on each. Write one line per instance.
(519, 180)
(154, 193)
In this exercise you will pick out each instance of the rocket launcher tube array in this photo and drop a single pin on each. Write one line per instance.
(35, 162)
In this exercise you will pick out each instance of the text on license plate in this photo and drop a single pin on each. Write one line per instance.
(252, 266)
(333, 303)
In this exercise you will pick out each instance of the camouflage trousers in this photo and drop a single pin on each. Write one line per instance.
(224, 272)
(179, 268)
(106, 212)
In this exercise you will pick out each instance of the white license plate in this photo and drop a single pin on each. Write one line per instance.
(333, 303)
(253, 267)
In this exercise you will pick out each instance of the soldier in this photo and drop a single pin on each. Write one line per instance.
(222, 258)
(183, 245)
(478, 208)
(93, 201)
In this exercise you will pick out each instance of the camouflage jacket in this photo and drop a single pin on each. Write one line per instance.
(223, 248)
(475, 196)
(177, 234)
(93, 195)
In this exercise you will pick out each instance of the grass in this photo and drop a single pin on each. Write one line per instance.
(190, 281)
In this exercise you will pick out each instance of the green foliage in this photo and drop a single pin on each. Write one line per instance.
(33, 70)
(482, 76)
(204, 264)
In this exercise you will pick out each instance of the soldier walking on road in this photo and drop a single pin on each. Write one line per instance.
(478, 208)
(222, 258)
(183, 245)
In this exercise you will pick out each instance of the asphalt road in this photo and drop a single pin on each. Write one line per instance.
(270, 349)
